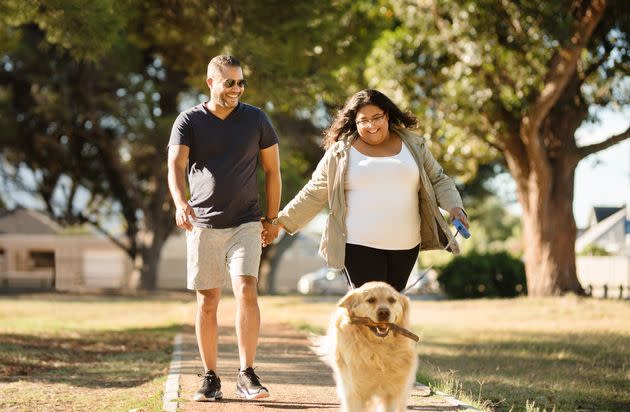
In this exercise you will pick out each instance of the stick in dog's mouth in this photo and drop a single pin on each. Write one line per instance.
(380, 331)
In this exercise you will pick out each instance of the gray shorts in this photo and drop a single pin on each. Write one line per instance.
(213, 253)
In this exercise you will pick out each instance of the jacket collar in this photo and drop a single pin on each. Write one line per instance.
(405, 134)
(344, 143)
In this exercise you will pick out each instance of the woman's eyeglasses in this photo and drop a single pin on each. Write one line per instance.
(373, 121)
(227, 83)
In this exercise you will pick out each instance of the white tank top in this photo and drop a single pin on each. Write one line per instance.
(382, 200)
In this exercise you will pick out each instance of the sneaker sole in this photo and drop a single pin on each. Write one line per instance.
(202, 398)
(259, 395)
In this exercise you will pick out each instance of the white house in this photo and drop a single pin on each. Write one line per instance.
(609, 229)
(35, 252)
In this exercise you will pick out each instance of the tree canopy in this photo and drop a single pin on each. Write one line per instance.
(89, 91)
(88, 96)
(516, 79)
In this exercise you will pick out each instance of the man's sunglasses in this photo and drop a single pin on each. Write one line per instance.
(231, 82)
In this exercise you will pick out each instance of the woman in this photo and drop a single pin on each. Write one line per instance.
(382, 187)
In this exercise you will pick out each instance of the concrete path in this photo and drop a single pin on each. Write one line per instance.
(294, 375)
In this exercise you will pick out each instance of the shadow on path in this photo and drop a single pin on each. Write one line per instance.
(294, 375)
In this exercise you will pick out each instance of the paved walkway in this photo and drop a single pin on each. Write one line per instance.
(294, 375)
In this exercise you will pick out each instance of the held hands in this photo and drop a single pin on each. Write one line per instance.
(458, 213)
(269, 233)
(183, 215)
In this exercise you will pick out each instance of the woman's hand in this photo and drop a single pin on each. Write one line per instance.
(269, 233)
(458, 213)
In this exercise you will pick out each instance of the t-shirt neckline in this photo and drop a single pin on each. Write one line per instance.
(402, 148)
(214, 116)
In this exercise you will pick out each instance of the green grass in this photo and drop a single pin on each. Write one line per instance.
(64, 352)
(563, 354)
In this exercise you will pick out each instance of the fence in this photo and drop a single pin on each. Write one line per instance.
(605, 276)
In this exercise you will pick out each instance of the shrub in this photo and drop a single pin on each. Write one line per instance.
(594, 250)
(483, 275)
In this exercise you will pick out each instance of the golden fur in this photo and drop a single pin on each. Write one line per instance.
(371, 371)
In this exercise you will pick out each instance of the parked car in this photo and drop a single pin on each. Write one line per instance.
(325, 281)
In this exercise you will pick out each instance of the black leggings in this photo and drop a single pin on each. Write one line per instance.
(365, 264)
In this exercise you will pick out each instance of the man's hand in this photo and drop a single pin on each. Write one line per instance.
(458, 213)
(183, 215)
(269, 233)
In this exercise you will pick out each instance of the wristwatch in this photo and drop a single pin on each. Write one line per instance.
(270, 220)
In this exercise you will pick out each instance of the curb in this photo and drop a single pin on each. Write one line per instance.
(451, 400)
(456, 402)
(171, 388)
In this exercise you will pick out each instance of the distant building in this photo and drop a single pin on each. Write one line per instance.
(35, 252)
(609, 231)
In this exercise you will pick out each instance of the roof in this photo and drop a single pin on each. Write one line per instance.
(596, 231)
(22, 221)
(602, 213)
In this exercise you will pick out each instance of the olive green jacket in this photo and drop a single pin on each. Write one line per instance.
(326, 188)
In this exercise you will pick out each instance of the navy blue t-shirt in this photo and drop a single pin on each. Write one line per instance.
(222, 162)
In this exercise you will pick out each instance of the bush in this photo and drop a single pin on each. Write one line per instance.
(483, 275)
(594, 250)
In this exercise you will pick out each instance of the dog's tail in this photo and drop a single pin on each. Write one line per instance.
(321, 346)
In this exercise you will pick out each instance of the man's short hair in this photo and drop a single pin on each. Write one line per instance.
(217, 64)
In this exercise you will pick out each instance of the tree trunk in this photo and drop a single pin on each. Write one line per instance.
(154, 237)
(150, 262)
(549, 234)
(264, 283)
(145, 265)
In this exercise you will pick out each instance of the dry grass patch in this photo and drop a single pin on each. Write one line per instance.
(507, 354)
(63, 352)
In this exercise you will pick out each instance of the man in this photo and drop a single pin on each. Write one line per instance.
(219, 141)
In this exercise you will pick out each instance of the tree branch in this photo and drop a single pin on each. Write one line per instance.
(497, 146)
(611, 141)
(111, 237)
(608, 47)
(562, 67)
(508, 9)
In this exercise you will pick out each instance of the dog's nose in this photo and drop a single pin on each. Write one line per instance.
(382, 314)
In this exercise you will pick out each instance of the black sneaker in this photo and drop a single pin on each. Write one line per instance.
(248, 385)
(210, 388)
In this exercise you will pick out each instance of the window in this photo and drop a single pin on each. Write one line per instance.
(39, 259)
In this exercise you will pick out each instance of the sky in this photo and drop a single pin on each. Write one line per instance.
(603, 179)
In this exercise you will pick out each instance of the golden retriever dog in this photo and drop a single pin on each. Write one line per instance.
(374, 366)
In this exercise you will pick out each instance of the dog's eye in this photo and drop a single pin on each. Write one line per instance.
(371, 300)
(391, 300)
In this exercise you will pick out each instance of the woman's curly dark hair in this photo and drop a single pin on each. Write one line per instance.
(344, 123)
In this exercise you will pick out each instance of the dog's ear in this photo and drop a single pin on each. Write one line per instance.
(404, 301)
(347, 301)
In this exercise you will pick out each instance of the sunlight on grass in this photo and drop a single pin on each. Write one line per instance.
(53, 313)
(64, 352)
(519, 354)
